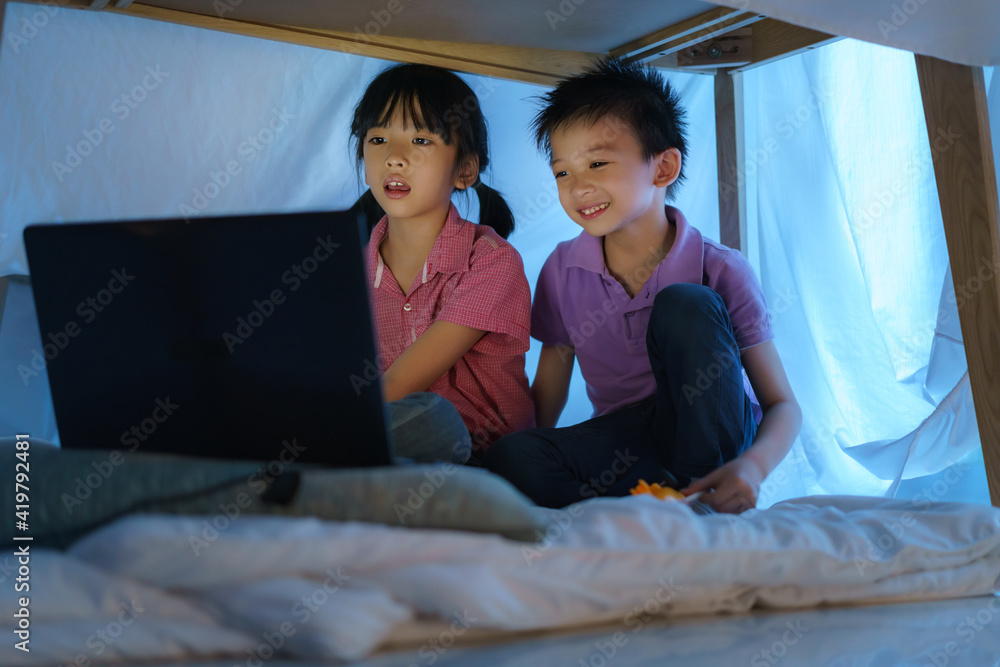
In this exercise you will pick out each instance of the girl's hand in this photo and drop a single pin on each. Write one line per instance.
(428, 358)
(732, 488)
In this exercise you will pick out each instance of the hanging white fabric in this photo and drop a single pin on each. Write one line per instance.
(850, 226)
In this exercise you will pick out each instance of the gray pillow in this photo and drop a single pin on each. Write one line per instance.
(72, 492)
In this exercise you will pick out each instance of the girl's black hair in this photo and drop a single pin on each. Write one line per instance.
(436, 100)
(635, 93)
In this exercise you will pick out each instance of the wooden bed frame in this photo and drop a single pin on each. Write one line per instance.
(719, 42)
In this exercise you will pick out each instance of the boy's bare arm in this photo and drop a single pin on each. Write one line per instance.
(737, 483)
(551, 385)
(428, 358)
(782, 418)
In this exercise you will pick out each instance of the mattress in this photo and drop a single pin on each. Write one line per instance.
(267, 588)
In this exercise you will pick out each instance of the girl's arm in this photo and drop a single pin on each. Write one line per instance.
(737, 483)
(428, 358)
(551, 385)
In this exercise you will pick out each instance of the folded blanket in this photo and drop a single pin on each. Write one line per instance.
(73, 492)
(311, 589)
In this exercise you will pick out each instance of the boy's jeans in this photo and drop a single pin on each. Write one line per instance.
(682, 432)
(425, 427)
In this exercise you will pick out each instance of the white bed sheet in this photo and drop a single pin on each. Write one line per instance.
(256, 588)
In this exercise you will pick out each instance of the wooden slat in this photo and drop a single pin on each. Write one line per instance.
(519, 64)
(69, 4)
(954, 99)
(728, 140)
(550, 64)
(733, 49)
(697, 37)
(774, 40)
(676, 31)
(539, 66)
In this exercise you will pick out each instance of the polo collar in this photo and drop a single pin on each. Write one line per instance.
(683, 263)
(449, 254)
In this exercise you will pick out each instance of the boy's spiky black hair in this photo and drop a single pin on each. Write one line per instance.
(632, 92)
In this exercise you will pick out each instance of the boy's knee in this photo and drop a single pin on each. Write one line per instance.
(697, 307)
(687, 300)
(511, 452)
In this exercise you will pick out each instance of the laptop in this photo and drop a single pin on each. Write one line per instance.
(244, 337)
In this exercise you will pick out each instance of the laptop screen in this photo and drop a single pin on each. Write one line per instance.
(238, 337)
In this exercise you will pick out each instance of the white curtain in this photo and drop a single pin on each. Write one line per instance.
(109, 117)
(854, 262)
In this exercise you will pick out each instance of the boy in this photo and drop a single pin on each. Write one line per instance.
(662, 321)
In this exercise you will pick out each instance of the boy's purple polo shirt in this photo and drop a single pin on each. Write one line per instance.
(578, 303)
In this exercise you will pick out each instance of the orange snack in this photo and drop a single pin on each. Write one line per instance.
(661, 492)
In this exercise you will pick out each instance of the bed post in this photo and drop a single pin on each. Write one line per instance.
(954, 99)
(728, 146)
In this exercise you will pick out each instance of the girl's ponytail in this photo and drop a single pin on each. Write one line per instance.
(493, 210)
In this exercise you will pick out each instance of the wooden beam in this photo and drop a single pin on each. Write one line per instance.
(538, 66)
(674, 39)
(954, 98)
(678, 30)
(728, 142)
(774, 40)
(549, 65)
(733, 49)
(68, 4)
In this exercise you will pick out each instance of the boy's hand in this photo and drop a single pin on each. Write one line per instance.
(731, 488)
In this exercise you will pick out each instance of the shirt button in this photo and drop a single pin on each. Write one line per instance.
(407, 307)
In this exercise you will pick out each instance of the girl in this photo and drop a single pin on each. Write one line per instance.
(451, 301)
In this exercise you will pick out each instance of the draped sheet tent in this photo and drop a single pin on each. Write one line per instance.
(724, 55)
